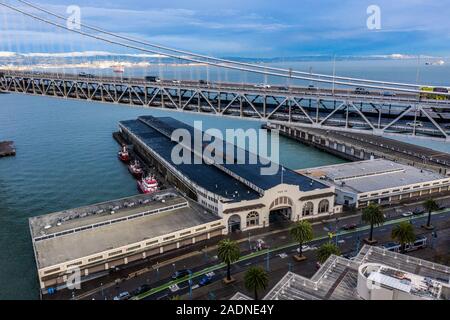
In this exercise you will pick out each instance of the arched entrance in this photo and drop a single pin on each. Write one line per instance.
(324, 206)
(234, 223)
(280, 210)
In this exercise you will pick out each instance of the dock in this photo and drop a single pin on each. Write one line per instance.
(359, 146)
(7, 149)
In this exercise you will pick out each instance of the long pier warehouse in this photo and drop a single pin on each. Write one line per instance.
(236, 192)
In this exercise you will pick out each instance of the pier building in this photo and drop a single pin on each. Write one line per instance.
(95, 240)
(238, 193)
(379, 181)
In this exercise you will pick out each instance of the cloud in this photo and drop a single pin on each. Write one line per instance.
(247, 28)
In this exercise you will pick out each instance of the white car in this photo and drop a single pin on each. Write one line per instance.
(262, 85)
(305, 247)
(122, 296)
(176, 81)
(415, 124)
(407, 214)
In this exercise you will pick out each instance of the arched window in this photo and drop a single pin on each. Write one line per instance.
(252, 219)
(281, 201)
(308, 209)
(324, 206)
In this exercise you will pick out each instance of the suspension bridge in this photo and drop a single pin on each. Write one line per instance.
(331, 102)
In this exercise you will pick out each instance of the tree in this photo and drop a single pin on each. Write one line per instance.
(228, 252)
(430, 205)
(373, 215)
(326, 250)
(301, 232)
(256, 279)
(404, 234)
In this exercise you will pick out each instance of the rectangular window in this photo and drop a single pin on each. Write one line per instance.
(95, 258)
(151, 242)
(133, 248)
(51, 270)
(74, 264)
(114, 253)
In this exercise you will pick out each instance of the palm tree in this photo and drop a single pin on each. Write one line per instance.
(301, 232)
(372, 214)
(404, 234)
(326, 250)
(430, 205)
(228, 252)
(255, 279)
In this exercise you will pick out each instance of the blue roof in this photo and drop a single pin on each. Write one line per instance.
(249, 172)
(206, 176)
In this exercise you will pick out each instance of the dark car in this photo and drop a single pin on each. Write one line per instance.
(142, 289)
(349, 226)
(418, 212)
(361, 91)
(206, 279)
(151, 78)
(181, 273)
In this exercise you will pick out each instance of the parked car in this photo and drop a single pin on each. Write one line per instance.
(122, 296)
(418, 212)
(206, 279)
(312, 87)
(181, 273)
(260, 245)
(143, 288)
(305, 247)
(407, 214)
(351, 226)
(176, 81)
(389, 94)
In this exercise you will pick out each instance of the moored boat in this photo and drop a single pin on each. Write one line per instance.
(123, 154)
(136, 169)
(148, 184)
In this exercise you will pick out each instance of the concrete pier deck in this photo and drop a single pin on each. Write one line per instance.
(7, 149)
(359, 146)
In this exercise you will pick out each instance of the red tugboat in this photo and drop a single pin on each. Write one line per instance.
(123, 154)
(136, 169)
(148, 184)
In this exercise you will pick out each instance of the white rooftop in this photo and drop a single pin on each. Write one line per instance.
(337, 278)
(371, 175)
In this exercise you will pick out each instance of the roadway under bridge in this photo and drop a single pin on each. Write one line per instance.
(372, 111)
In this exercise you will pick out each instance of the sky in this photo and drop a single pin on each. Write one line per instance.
(244, 28)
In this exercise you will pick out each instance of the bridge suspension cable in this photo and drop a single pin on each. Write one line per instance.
(220, 65)
(288, 72)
